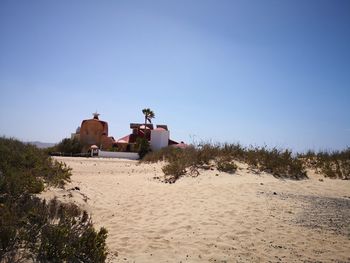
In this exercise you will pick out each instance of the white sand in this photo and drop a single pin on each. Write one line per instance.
(215, 217)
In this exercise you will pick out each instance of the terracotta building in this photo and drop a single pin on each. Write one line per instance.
(95, 132)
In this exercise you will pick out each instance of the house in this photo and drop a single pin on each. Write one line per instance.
(95, 132)
(158, 137)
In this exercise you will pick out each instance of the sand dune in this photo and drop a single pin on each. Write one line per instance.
(215, 217)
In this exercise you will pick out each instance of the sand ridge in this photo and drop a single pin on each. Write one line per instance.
(215, 217)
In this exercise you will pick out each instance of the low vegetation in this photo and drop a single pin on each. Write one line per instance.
(334, 164)
(280, 163)
(32, 229)
(66, 147)
(142, 146)
(225, 164)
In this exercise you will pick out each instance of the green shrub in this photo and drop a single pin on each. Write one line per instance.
(277, 162)
(114, 148)
(49, 232)
(205, 153)
(168, 154)
(32, 228)
(67, 146)
(143, 147)
(26, 168)
(225, 164)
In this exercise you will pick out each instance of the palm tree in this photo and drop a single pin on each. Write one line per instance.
(149, 115)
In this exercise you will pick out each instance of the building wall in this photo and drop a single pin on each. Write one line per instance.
(106, 142)
(91, 133)
(124, 155)
(159, 139)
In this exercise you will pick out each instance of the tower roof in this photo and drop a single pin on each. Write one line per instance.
(95, 114)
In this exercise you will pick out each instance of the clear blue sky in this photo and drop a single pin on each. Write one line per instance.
(255, 72)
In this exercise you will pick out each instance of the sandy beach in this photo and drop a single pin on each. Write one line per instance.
(215, 217)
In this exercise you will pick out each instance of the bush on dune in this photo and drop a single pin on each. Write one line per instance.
(164, 154)
(174, 170)
(48, 232)
(334, 164)
(26, 168)
(281, 164)
(32, 229)
(225, 164)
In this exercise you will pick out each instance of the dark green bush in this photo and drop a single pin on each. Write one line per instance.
(29, 227)
(143, 147)
(48, 232)
(26, 168)
(67, 146)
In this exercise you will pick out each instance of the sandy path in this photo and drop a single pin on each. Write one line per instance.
(215, 217)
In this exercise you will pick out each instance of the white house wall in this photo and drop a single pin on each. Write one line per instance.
(159, 139)
(123, 155)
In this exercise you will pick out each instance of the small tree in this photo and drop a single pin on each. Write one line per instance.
(143, 147)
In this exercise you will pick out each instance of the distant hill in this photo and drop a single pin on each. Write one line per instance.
(42, 145)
